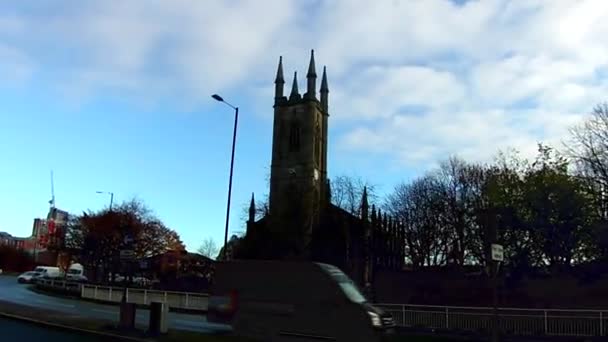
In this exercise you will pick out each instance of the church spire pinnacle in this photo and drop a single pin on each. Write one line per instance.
(295, 95)
(279, 81)
(364, 204)
(324, 91)
(252, 208)
(279, 78)
(311, 77)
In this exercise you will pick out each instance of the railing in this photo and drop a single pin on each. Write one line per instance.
(59, 284)
(513, 321)
(180, 300)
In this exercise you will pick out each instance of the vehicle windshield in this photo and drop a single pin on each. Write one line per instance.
(346, 284)
(40, 270)
(352, 292)
(73, 271)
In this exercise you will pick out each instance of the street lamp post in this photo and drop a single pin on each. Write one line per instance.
(236, 120)
(111, 197)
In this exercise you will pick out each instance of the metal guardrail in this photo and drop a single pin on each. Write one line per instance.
(180, 300)
(59, 284)
(513, 321)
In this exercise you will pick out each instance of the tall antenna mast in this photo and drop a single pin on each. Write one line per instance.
(52, 201)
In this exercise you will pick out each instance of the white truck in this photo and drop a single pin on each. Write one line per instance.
(76, 273)
(48, 272)
(294, 301)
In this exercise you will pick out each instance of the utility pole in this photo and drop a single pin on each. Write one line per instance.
(236, 120)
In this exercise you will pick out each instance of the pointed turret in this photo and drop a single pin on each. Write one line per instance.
(324, 92)
(364, 204)
(279, 81)
(311, 77)
(295, 95)
(252, 209)
(373, 217)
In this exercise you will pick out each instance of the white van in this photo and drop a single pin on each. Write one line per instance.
(289, 301)
(76, 273)
(48, 272)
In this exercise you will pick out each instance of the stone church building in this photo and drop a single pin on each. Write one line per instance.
(302, 223)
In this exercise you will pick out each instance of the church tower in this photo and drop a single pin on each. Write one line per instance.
(298, 178)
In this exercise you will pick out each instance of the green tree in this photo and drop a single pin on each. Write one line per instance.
(558, 210)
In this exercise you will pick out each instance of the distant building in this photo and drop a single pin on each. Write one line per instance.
(44, 232)
(6, 239)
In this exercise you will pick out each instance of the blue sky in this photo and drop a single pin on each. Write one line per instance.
(115, 96)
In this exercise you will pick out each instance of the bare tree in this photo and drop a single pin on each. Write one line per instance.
(208, 248)
(418, 205)
(347, 191)
(461, 186)
(588, 147)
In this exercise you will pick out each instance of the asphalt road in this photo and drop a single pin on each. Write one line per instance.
(14, 330)
(11, 291)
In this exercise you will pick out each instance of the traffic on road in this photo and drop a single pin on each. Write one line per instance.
(12, 291)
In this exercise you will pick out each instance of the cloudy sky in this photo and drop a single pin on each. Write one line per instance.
(115, 95)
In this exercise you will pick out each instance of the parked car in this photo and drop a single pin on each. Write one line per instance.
(27, 277)
(142, 281)
(139, 281)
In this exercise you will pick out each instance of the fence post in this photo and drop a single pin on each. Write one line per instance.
(127, 295)
(110, 295)
(95, 293)
(447, 318)
(165, 296)
(403, 315)
(186, 300)
(145, 297)
(601, 324)
(546, 325)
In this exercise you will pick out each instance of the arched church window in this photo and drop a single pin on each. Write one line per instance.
(318, 144)
(294, 137)
(281, 137)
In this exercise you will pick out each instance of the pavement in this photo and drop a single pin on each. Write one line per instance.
(13, 292)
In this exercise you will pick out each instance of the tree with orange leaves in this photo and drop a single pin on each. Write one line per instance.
(99, 236)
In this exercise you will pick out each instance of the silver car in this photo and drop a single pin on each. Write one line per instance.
(27, 277)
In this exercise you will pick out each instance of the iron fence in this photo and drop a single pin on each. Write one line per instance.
(181, 300)
(512, 321)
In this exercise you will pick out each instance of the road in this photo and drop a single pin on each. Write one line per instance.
(11, 291)
(31, 332)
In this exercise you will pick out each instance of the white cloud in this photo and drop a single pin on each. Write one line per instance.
(413, 80)
(16, 67)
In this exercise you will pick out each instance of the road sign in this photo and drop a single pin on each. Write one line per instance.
(128, 239)
(497, 252)
(127, 254)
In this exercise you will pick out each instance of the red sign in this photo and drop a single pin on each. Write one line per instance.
(51, 226)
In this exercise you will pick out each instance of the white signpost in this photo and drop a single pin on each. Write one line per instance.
(497, 252)
(497, 256)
